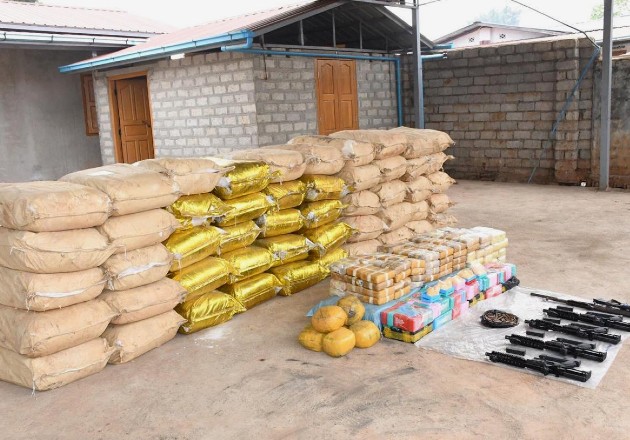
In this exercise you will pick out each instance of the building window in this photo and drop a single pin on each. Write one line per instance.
(89, 105)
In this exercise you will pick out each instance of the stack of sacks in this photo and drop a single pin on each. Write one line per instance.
(137, 288)
(51, 321)
(215, 246)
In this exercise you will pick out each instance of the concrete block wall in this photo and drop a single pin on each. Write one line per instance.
(376, 90)
(499, 104)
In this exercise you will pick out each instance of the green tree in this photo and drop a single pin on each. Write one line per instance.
(620, 7)
(507, 15)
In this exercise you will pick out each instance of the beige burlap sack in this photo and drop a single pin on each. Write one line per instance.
(420, 226)
(356, 152)
(391, 193)
(319, 159)
(386, 143)
(284, 163)
(367, 227)
(360, 178)
(441, 181)
(439, 203)
(422, 142)
(396, 236)
(137, 338)
(130, 188)
(420, 210)
(138, 267)
(367, 247)
(35, 334)
(442, 220)
(361, 203)
(396, 216)
(51, 206)
(419, 189)
(57, 369)
(145, 301)
(424, 165)
(195, 175)
(391, 168)
(40, 292)
(53, 252)
(142, 229)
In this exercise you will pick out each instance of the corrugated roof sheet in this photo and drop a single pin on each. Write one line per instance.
(72, 19)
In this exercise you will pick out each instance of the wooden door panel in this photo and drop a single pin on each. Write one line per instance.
(337, 107)
(328, 117)
(346, 115)
(136, 136)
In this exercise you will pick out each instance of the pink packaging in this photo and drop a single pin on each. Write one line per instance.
(472, 289)
(494, 291)
(436, 307)
(493, 277)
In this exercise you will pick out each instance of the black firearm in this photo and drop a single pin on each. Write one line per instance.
(565, 347)
(580, 330)
(544, 366)
(599, 319)
(598, 305)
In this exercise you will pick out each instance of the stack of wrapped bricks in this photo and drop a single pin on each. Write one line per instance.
(137, 290)
(396, 182)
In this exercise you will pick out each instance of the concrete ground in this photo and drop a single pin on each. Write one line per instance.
(250, 378)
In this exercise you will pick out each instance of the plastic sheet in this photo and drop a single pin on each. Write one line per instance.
(466, 338)
(208, 310)
(328, 237)
(248, 261)
(245, 208)
(254, 290)
(298, 276)
(281, 222)
(286, 195)
(247, 177)
(286, 248)
(324, 187)
(321, 213)
(194, 244)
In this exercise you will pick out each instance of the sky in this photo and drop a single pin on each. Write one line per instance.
(437, 19)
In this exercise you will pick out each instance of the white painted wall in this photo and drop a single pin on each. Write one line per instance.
(492, 35)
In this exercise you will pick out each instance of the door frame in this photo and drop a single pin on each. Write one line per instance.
(113, 109)
(317, 86)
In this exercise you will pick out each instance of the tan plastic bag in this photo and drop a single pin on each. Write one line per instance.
(283, 162)
(51, 206)
(386, 143)
(131, 189)
(319, 159)
(360, 178)
(361, 203)
(195, 175)
(396, 236)
(422, 142)
(356, 152)
(419, 189)
(367, 247)
(442, 220)
(367, 227)
(57, 369)
(137, 338)
(439, 203)
(36, 334)
(53, 252)
(391, 168)
(145, 301)
(420, 227)
(137, 268)
(396, 216)
(391, 193)
(142, 229)
(40, 292)
(424, 165)
(420, 210)
(441, 181)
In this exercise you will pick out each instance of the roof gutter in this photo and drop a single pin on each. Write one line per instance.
(158, 52)
(75, 40)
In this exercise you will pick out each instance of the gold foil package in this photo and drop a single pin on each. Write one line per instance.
(199, 208)
(298, 276)
(248, 261)
(207, 310)
(254, 290)
(331, 257)
(286, 195)
(321, 213)
(238, 236)
(247, 177)
(245, 208)
(328, 237)
(204, 276)
(320, 187)
(286, 248)
(281, 222)
(191, 245)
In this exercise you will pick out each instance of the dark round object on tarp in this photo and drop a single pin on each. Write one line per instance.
(510, 284)
(499, 319)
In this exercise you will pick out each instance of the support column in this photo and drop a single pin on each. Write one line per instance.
(604, 144)
(418, 88)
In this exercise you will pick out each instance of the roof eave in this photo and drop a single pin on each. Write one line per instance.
(81, 31)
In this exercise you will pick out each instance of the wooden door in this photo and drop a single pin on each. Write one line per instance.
(134, 119)
(337, 104)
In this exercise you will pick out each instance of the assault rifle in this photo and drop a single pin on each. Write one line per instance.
(599, 319)
(563, 346)
(548, 365)
(580, 330)
(613, 307)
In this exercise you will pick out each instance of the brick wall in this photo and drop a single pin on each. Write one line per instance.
(376, 89)
(499, 104)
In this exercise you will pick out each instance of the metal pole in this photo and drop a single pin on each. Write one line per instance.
(301, 33)
(418, 89)
(333, 29)
(604, 144)
(360, 34)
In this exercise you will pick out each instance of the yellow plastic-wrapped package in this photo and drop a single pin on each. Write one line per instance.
(280, 222)
(208, 310)
(284, 163)
(321, 213)
(299, 276)
(328, 237)
(330, 257)
(191, 245)
(245, 208)
(287, 194)
(199, 207)
(204, 276)
(238, 236)
(247, 177)
(324, 187)
(254, 290)
(286, 248)
(248, 261)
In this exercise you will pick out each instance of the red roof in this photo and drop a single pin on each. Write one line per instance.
(23, 16)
